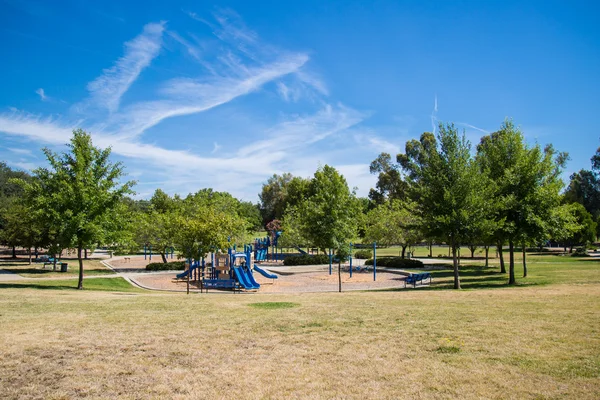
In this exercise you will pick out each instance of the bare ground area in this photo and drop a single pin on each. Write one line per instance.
(293, 283)
(504, 343)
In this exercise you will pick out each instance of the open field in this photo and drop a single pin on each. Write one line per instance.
(535, 341)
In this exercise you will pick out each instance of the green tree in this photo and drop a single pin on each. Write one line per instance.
(584, 188)
(202, 229)
(447, 187)
(390, 184)
(526, 186)
(393, 223)
(329, 213)
(78, 194)
(584, 230)
(272, 197)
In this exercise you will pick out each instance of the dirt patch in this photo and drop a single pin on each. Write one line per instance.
(296, 283)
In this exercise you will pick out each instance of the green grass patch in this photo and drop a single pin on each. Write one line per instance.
(37, 270)
(272, 305)
(101, 284)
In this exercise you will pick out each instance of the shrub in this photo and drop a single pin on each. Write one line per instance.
(396, 262)
(306, 259)
(580, 252)
(363, 254)
(170, 266)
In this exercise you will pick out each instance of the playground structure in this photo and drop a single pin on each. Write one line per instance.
(261, 248)
(231, 270)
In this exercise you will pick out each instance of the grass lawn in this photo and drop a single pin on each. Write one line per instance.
(36, 270)
(536, 341)
(115, 284)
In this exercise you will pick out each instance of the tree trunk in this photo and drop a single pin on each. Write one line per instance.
(29, 251)
(403, 251)
(524, 262)
(501, 254)
(458, 255)
(472, 248)
(340, 274)
(164, 259)
(487, 256)
(14, 252)
(85, 252)
(430, 249)
(511, 263)
(449, 249)
(571, 248)
(455, 263)
(80, 282)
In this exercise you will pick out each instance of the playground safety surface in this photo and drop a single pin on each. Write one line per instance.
(306, 282)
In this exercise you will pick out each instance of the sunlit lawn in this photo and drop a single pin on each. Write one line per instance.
(540, 339)
(37, 270)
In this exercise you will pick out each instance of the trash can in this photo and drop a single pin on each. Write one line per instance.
(64, 267)
(408, 255)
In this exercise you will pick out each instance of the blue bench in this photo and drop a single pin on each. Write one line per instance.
(414, 278)
(219, 284)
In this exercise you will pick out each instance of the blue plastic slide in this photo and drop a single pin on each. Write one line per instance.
(243, 279)
(301, 251)
(264, 273)
(185, 273)
(250, 277)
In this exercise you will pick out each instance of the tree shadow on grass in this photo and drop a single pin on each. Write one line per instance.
(37, 286)
(37, 271)
(471, 278)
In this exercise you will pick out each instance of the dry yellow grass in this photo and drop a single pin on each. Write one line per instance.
(535, 342)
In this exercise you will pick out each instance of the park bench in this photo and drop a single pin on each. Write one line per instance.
(220, 284)
(414, 278)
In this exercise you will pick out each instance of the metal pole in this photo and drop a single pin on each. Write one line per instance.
(350, 260)
(374, 261)
(144, 251)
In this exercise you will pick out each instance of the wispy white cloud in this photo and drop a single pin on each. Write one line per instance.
(434, 119)
(472, 127)
(376, 143)
(43, 129)
(106, 90)
(27, 166)
(243, 66)
(22, 152)
(40, 92)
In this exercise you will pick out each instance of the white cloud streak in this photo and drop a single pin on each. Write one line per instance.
(106, 90)
(40, 92)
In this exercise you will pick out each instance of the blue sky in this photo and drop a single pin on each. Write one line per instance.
(200, 94)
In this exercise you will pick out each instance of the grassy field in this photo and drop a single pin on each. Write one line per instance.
(37, 270)
(538, 340)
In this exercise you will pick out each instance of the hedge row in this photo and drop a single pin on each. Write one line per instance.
(395, 262)
(363, 254)
(170, 266)
(306, 259)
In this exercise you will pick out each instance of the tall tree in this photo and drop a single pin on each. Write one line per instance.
(526, 186)
(393, 223)
(390, 184)
(78, 193)
(329, 213)
(447, 187)
(272, 197)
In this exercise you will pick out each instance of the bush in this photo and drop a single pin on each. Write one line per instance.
(306, 259)
(580, 252)
(363, 254)
(396, 262)
(170, 266)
